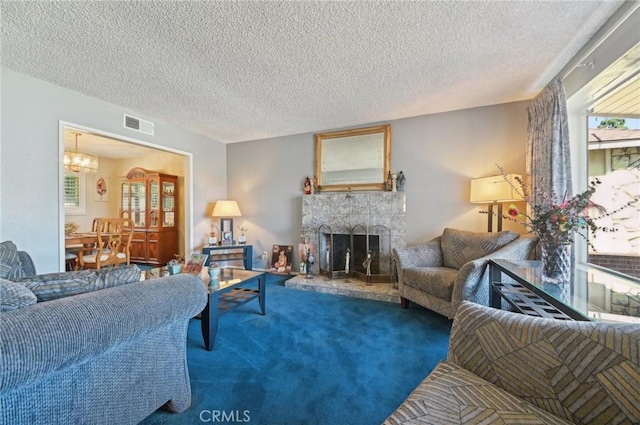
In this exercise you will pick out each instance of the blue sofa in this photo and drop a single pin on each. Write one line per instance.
(105, 356)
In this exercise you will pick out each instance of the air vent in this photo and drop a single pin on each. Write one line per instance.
(138, 125)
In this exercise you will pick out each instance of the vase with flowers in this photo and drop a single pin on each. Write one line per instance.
(555, 224)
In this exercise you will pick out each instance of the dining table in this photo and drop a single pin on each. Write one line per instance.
(86, 239)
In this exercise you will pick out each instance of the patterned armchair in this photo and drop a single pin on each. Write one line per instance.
(450, 268)
(505, 367)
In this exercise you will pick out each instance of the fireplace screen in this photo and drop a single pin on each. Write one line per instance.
(364, 253)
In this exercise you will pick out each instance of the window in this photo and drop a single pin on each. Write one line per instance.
(604, 124)
(614, 159)
(74, 194)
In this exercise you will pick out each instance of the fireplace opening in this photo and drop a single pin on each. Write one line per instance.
(357, 253)
(356, 247)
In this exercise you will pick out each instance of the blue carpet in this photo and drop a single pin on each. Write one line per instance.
(314, 358)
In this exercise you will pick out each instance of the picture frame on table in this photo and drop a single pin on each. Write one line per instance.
(195, 263)
(281, 259)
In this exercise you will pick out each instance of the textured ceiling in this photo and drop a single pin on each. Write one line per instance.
(238, 71)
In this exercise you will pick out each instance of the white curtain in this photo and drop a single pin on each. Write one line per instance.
(548, 154)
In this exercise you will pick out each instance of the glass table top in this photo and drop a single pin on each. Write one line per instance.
(593, 292)
(228, 276)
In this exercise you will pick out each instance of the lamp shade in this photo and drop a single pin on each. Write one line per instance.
(487, 190)
(224, 208)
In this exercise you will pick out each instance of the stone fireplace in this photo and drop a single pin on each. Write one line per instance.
(359, 221)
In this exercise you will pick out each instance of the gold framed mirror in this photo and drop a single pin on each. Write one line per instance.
(357, 159)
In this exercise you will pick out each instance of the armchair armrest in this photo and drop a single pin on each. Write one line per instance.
(472, 283)
(425, 255)
(543, 360)
(28, 268)
(51, 286)
(47, 337)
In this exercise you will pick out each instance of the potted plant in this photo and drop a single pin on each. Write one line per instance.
(242, 239)
(175, 266)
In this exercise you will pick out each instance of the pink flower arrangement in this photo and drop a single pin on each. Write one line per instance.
(555, 223)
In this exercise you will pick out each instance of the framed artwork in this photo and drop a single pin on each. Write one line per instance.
(281, 258)
(101, 189)
(195, 263)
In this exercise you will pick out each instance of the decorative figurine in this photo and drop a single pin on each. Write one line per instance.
(307, 186)
(400, 181)
(314, 188)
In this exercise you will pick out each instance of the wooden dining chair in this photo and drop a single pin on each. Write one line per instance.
(114, 240)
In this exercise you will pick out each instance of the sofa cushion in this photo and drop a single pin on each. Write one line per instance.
(10, 267)
(459, 246)
(57, 285)
(452, 395)
(14, 295)
(436, 281)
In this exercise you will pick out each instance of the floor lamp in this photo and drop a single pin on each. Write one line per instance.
(494, 190)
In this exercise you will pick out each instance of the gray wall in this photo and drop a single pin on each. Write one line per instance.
(438, 153)
(30, 211)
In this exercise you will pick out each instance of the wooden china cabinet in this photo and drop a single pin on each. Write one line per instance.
(149, 198)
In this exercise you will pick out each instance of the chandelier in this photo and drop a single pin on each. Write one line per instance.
(79, 162)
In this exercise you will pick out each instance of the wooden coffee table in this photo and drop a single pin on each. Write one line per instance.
(236, 287)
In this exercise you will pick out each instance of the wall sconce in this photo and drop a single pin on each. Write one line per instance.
(495, 190)
(226, 210)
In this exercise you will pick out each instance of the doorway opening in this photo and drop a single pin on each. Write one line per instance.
(117, 154)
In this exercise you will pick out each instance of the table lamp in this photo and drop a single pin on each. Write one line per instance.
(495, 190)
(226, 210)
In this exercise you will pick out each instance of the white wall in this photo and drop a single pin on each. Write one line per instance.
(438, 153)
(30, 162)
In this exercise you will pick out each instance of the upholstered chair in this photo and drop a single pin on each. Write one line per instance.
(452, 267)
